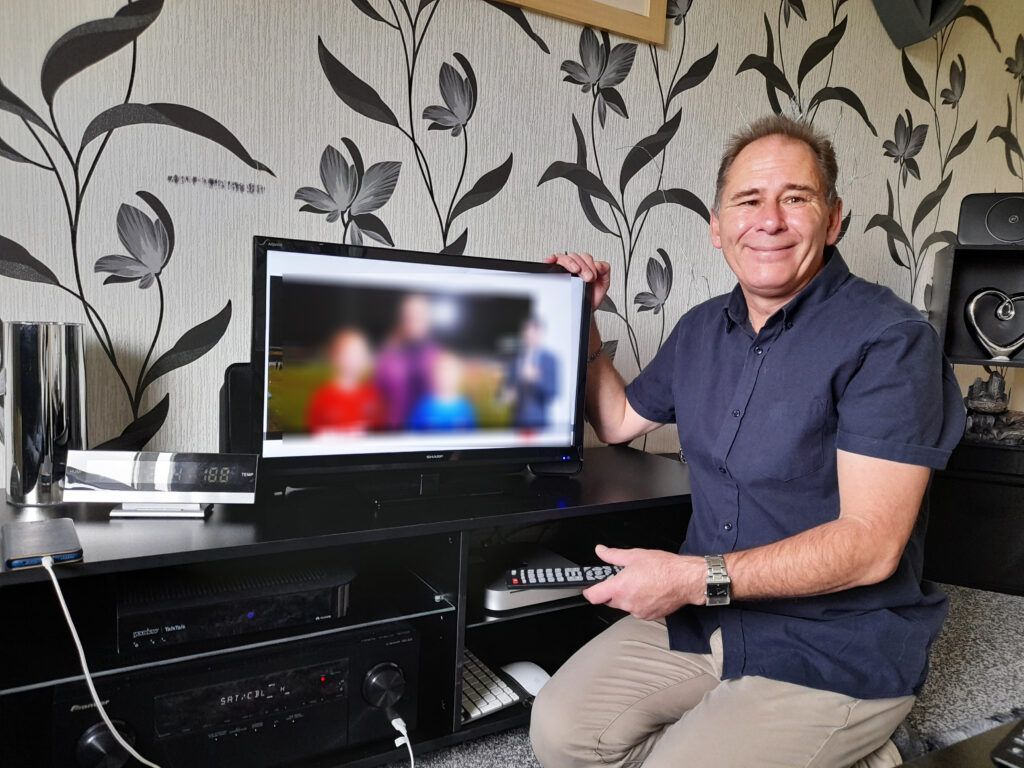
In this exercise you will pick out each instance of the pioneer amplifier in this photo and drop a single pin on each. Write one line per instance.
(254, 708)
(174, 607)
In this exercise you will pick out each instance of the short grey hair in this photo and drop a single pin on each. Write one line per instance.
(780, 125)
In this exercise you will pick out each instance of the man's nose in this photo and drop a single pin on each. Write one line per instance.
(772, 218)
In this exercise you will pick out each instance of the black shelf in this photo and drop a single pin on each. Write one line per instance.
(613, 480)
(1012, 363)
(957, 277)
(422, 563)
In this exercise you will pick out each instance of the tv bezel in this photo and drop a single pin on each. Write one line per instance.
(298, 466)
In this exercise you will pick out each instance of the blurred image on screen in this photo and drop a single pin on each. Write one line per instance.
(359, 363)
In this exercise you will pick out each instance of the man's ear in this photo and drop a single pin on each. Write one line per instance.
(835, 223)
(716, 234)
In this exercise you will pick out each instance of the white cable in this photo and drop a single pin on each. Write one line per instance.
(399, 725)
(48, 565)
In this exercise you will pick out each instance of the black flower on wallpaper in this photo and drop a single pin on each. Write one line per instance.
(909, 242)
(352, 194)
(793, 8)
(148, 246)
(603, 195)
(149, 242)
(1015, 66)
(957, 82)
(677, 9)
(1009, 134)
(904, 146)
(659, 279)
(460, 93)
(600, 69)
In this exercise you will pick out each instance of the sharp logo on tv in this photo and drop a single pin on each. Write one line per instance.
(435, 455)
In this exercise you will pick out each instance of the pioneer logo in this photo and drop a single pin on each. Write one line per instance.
(435, 455)
(145, 632)
(90, 705)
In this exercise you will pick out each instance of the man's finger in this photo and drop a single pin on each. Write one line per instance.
(615, 556)
(599, 594)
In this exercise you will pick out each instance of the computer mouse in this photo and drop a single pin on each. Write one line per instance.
(531, 677)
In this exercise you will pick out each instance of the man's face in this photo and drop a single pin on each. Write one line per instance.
(774, 221)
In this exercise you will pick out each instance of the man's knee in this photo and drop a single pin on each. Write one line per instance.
(550, 727)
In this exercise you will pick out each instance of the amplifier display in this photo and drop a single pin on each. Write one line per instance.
(248, 704)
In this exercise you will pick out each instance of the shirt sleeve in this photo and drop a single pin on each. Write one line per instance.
(903, 403)
(651, 393)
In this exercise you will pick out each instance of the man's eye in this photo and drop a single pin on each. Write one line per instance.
(796, 199)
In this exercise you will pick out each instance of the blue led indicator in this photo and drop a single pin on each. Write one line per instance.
(251, 615)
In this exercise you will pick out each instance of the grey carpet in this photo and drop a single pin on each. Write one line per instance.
(976, 682)
(977, 668)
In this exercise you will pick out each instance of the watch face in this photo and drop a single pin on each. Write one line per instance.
(718, 590)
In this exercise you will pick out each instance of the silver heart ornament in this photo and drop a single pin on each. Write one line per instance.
(1004, 312)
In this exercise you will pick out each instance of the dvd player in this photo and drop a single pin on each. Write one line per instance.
(174, 607)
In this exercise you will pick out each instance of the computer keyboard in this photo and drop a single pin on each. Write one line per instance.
(483, 692)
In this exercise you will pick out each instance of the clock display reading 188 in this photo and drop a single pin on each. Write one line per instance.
(216, 475)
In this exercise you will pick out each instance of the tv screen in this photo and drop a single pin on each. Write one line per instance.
(373, 357)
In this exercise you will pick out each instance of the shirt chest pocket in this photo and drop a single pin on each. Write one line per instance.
(786, 442)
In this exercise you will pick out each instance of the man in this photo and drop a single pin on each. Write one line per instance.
(810, 407)
(405, 364)
(532, 377)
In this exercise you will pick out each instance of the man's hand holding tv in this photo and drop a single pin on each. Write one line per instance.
(608, 411)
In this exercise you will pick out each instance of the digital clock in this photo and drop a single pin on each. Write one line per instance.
(151, 483)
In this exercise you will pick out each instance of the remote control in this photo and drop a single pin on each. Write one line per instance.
(1010, 751)
(559, 578)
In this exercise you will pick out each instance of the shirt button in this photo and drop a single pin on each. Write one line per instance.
(758, 351)
(727, 526)
(721, 470)
(736, 412)
(789, 325)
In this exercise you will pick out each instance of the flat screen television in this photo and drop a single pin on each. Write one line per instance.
(369, 358)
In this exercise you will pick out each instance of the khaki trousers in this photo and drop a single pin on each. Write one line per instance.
(626, 700)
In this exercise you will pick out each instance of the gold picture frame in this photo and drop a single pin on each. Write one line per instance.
(640, 19)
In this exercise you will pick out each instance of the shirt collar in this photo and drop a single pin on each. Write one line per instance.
(828, 280)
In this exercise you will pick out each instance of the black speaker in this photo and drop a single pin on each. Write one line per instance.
(236, 410)
(911, 21)
(992, 219)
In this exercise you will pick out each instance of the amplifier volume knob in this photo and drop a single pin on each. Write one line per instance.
(97, 748)
(384, 685)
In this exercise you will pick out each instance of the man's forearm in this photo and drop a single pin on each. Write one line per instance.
(606, 392)
(828, 558)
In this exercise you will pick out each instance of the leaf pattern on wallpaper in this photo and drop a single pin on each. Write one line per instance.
(149, 241)
(910, 240)
(598, 73)
(459, 92)
(802, 103)
(1010, 133)
(352, 194)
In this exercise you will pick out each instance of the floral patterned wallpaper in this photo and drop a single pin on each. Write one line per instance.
(137, 141)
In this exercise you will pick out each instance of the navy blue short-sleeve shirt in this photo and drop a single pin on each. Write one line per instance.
(845, 365)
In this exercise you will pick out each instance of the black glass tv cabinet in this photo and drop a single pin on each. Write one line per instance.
(419, 567)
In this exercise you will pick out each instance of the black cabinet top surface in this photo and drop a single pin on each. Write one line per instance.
(612, 480)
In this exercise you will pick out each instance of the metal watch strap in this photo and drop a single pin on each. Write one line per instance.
(718, 585)
(716, 567)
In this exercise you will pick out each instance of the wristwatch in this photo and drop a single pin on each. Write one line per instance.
(717, 588)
